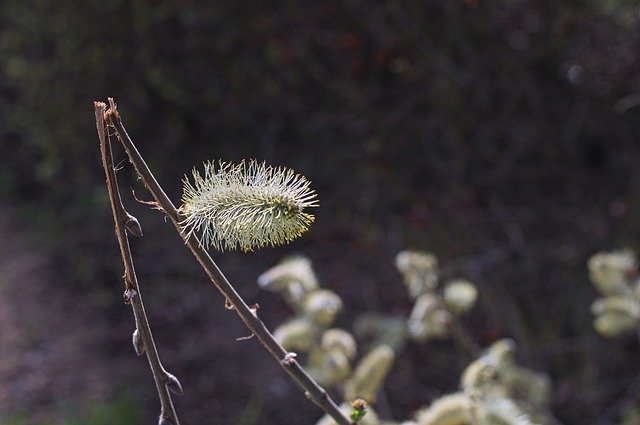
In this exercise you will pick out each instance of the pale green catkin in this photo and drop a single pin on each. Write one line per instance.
(247, 205)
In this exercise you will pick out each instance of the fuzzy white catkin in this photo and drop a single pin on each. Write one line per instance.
(476, 374)
(338, 339)
(291, 270)
(452, 409)
(247, 205)
(609, 272)
(484, 370)
(502, 411)
(460, 295)
(322, 306)
(619, 305)
(428, 319)
(296, 334)
(329, 367)
(419, 270)
(615, 315)
(370, 374)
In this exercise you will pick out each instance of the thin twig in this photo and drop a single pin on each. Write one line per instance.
(163, 380)
(287, 360)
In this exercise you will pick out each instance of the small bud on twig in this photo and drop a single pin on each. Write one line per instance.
(138, 343)
(132, 224)
(289, 358)
(129, 294)
(173, 384)
(358, 409)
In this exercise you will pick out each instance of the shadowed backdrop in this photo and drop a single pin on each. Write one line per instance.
(502, 136)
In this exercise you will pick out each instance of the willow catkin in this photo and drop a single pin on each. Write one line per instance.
(247, 205)
(451, 409)
(370, 374)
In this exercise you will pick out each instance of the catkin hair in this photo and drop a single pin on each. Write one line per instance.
(247, 205)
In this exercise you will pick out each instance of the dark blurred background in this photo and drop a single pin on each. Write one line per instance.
(502, 136)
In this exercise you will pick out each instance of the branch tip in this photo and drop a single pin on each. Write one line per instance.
(141, 338)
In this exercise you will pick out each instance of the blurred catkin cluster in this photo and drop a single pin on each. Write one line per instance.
(433, 310)
(331, 352)
(493, 391)
(614, 274)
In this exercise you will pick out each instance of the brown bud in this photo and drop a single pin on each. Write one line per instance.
(173, 384)
(133, 225)
(138, 343)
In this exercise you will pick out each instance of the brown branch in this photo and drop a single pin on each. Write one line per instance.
(311, 388)
(143, 339)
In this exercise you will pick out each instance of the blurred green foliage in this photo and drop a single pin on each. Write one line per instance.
(119, 411)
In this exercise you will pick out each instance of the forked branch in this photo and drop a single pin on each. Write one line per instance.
(142, 337)
(286, 359)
